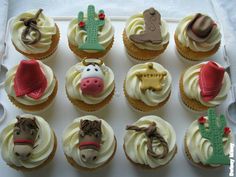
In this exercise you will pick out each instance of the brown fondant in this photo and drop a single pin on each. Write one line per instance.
(200, 28)
(152, 134)
(31, 25)
(24, 136)
(90, 137)
(152, 33)
(151, 78)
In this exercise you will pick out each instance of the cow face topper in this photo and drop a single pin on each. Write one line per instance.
(24, 136)
(90, 136)
(92, 77)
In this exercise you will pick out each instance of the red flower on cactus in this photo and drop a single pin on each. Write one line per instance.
(202, 120)
(81, 24)
(227, 130)
(101, 16)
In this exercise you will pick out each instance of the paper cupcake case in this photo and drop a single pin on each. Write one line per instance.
(117, 113)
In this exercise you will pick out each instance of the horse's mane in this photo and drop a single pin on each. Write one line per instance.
(21, 123)
(90, 127)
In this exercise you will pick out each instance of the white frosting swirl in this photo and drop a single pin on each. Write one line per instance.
(70, 140)
(44, 144)
(73, 80)
(200, 148)
(77, 36)
(193, 91)
(26, 100)
(136, 25)
(136, 142)
(149, 97)
(46, 26)
(183, 38)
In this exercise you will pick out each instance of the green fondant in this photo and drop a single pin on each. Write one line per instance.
(92, 26)
(215, 133)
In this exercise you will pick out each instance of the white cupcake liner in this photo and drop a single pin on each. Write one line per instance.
(136, 61)
(187, 61)
(189, 109)
(41, 111)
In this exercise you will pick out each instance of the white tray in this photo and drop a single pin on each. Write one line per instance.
(118, 114)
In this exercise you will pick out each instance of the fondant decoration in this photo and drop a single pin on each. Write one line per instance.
(152, 33)
(91, 26)
(90, 137)
(200, 28)
(152, 135)
(24, 135)
(30, 80)
(92, 78)
(151, 78)
(31, 33)
(210, 80)
(214, 131)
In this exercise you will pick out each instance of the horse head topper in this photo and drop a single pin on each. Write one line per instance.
(24, 136)
(92, 77)
(90, 137)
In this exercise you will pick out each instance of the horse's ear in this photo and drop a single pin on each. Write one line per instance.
(18, 118)
(100, 124)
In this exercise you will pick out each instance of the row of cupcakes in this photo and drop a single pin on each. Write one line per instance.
(28, 142)
(90, 85)
(91, 35)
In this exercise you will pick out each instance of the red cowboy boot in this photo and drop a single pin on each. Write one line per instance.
(30, 79)
(210, 80)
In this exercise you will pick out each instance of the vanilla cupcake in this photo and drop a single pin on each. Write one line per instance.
(207, 141)
(89, 143)
(90, 35)
(150, 142)
(28, 143)
(35, 35)
(90, 85)
(147, 86)
(197, 37)
(146, 35)
(204, 85)
(31, 86)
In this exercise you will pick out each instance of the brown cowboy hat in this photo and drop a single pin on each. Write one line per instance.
(200, 28)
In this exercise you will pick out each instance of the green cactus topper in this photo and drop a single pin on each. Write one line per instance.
(91, 26)
(215, 132)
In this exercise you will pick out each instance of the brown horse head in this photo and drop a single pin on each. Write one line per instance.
(24, 135)
(90, 136)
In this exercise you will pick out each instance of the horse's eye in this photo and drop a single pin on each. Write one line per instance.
(17, 132)
(97, 134)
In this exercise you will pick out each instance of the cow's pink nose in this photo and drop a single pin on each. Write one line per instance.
(92, 86)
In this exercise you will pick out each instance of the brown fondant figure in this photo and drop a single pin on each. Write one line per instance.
(25, 134)
(200, 28)
(90, 136)
(152, 33)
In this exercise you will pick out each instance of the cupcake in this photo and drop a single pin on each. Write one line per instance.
(35, 35)
(207, 141)
(204, 85)
(150, 142)
(197, 37)
(90, 35)
(147, 86)
(89, 143)
(90, 84)
(31, 86)
(28, 143)
(146, 35)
